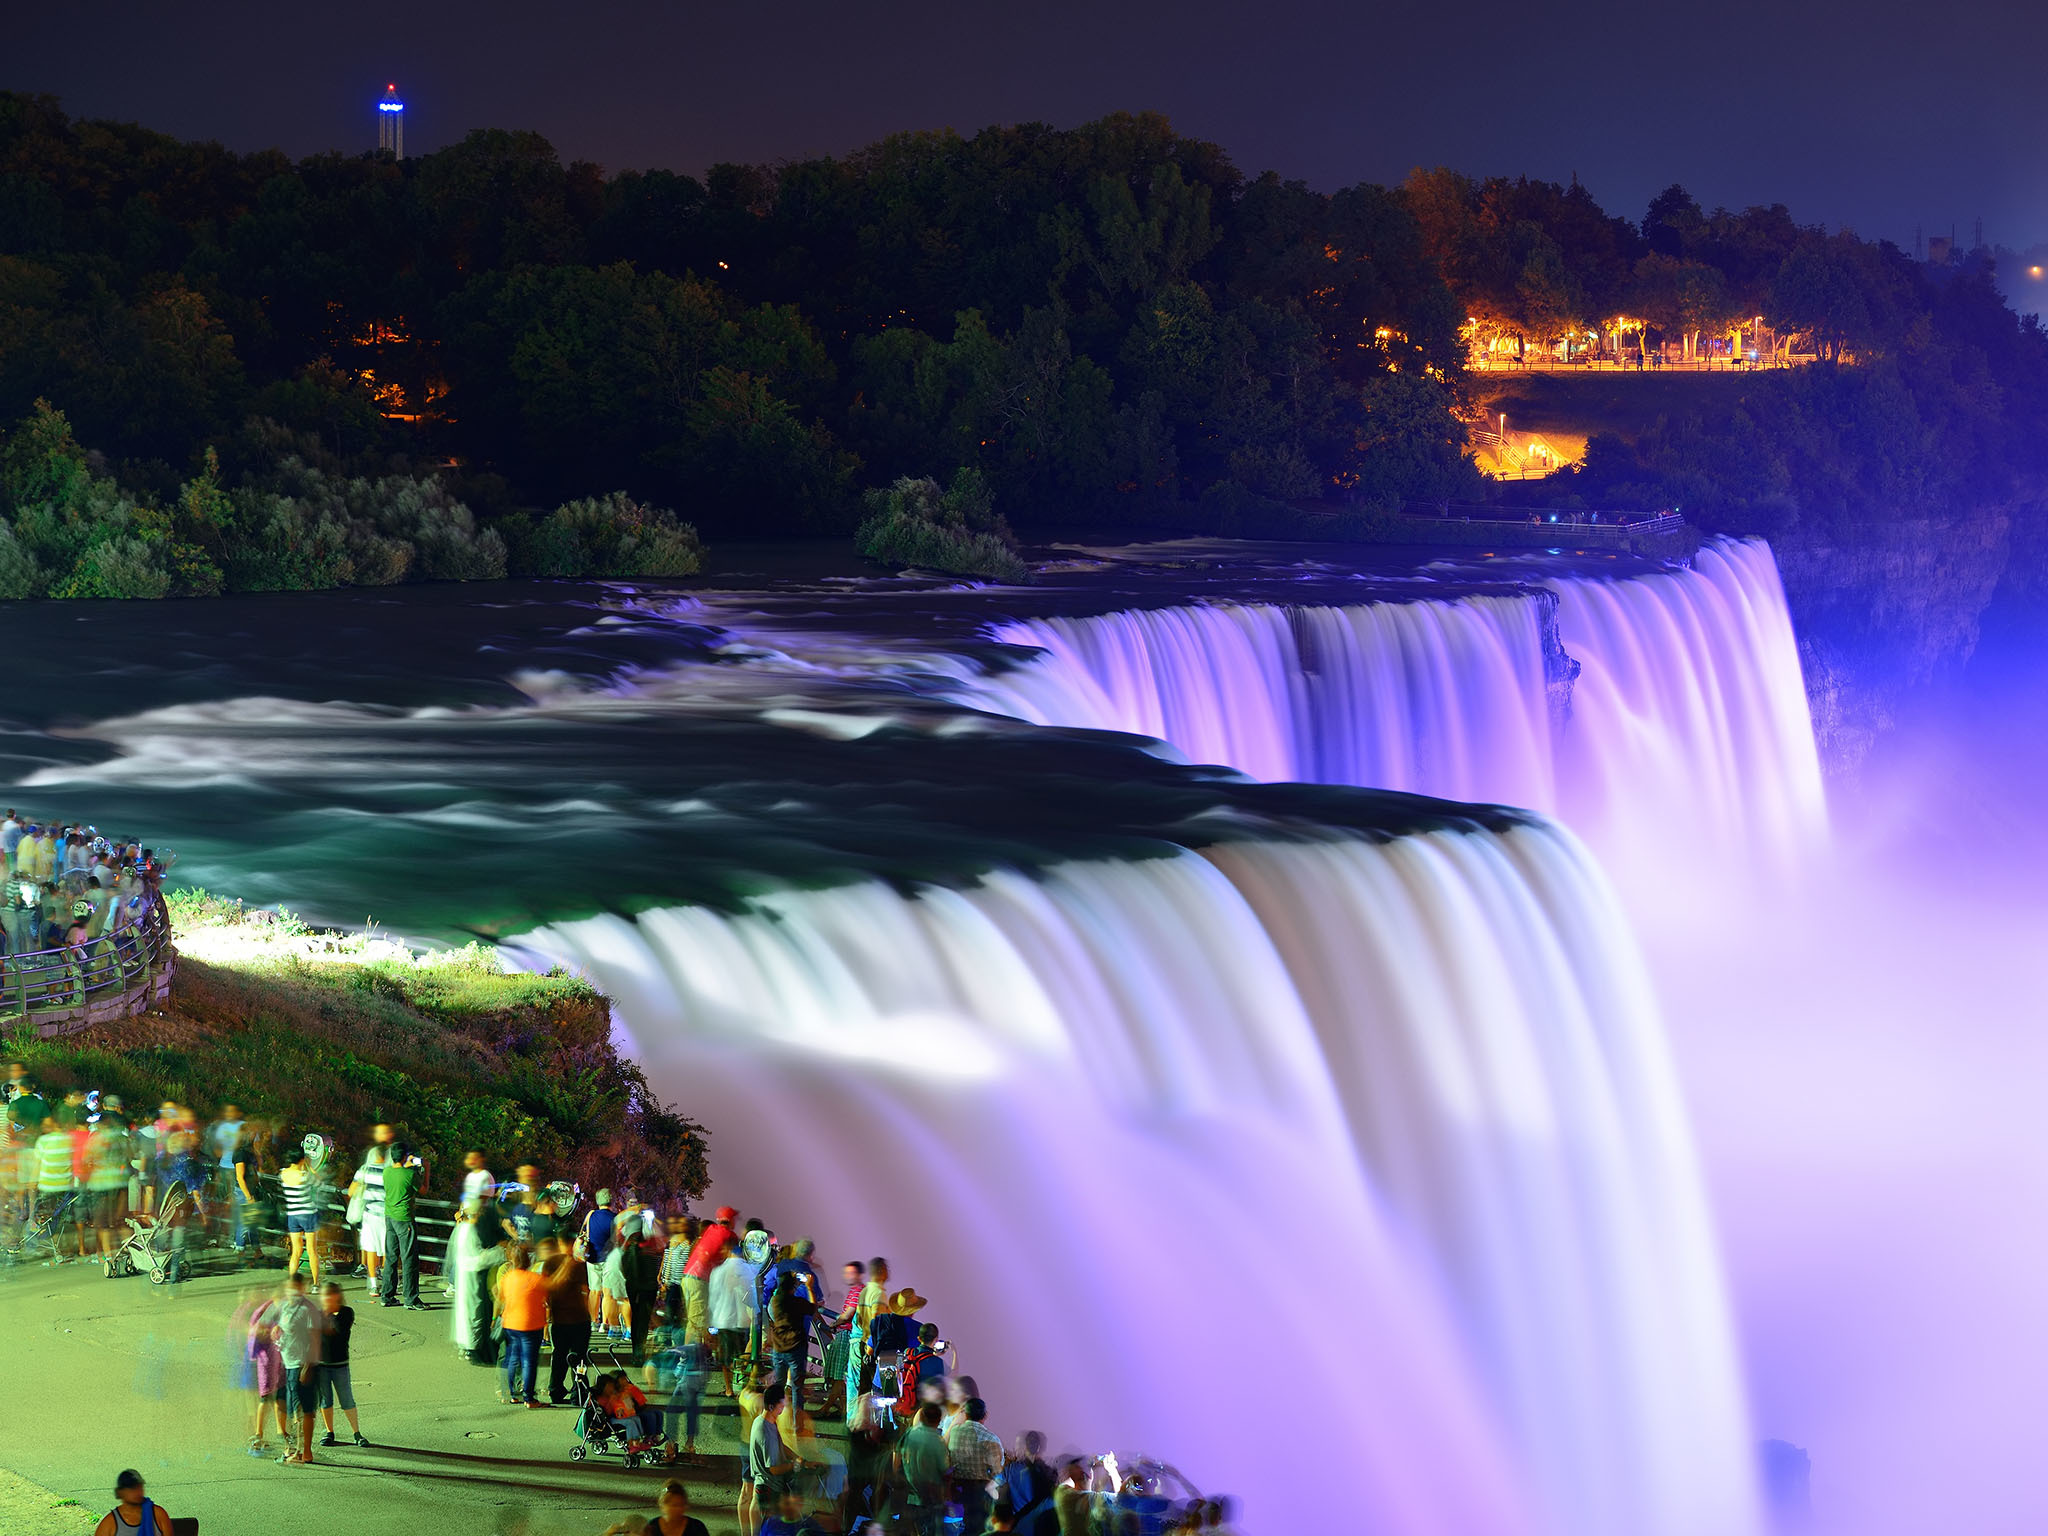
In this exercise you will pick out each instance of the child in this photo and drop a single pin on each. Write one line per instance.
(335, 1388)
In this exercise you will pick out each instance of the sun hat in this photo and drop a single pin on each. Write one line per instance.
(905, 1302)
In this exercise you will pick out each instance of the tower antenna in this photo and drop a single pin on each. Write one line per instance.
(391, 122)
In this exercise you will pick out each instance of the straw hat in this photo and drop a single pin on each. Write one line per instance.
(905, 1301)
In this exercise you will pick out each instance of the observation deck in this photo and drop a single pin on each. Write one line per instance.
(119, 975)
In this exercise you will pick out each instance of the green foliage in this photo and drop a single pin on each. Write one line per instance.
(610, 536)
(956, 529)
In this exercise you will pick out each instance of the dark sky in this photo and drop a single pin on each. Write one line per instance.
(1877, 115)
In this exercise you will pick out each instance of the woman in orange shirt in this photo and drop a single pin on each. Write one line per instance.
(523, 1309)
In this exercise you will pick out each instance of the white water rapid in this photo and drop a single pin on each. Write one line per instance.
(1354, 1172)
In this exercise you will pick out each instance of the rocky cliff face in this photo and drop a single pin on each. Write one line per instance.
(1892, 611)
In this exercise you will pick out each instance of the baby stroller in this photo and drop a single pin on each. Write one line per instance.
(37, 1238)
(155, 1244)
(598, 1433)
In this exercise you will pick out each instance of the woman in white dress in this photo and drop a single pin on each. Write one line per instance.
(467, 1321)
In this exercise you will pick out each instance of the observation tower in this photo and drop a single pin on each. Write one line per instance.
(391, 122)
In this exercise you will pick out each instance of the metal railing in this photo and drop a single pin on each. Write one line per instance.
(121, 973)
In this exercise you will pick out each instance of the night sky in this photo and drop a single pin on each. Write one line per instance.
(1879, 116)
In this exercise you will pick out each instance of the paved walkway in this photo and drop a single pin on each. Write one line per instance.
(97, 1375)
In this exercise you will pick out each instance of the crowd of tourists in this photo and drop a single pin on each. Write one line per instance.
(645, 1316)
(63, 885)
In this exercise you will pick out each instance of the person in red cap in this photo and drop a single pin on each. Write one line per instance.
(705, 1254)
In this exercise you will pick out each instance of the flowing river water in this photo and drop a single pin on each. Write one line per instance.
(1090, 949)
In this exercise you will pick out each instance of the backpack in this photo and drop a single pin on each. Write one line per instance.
(890, 1331)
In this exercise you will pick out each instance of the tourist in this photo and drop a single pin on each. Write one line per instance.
(336, 1390)
(568, 1297)
(640, 1259)
(479, 1244)
(789, 1518)
(401, 1236)
(301, 1211)
(839, 1337)
(245, 1193)
(107, 1151)
(787, 1332)
(868, 1449)
(133, 1510)
(730, 1298)
(974, 1459)
(692, 1373)
(522, 1294)
(705, 1255)
(366, 1192)
(297, 1328)
(921, 1468)
(611, 1277)
(1027, 1475)
(596, 1234)
(682, 1234)
(923, 1364)
(54, 1182)
(770, 1467)
(958, 1390)
(263, 1370)
(675, 1518)
(1073, 1500)
(221, 1139)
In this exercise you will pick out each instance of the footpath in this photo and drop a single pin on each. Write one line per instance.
(98, 1374)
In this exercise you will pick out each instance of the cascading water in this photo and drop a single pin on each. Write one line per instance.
(1343, 1154)
(1687, 697)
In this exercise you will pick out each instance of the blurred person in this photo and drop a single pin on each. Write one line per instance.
(706, 1254)
(921, 1470)
(770, 1465)
(787, 1333)
(221, 1139)
(868, 1450)
(523, 1308)
(673, 1517)
(568, 1298)
(1027, 1475)
(368, 1186)
(1073, 1497)
(974, 1460)
(301, 1211)
(612, 1277)
(692, 1372)
(335, 1389)
(789, 1518)
(839, 1337)
(522, 1199)
(958, 1390)
(632, 1525)
(262, 1373)
(106, 1180)
(245, 1194)
(55, 1181)
(1002, 1516)
(729, 1297)
(133, 1511)
(670, 1276)
(486, 1244)
(402, 1179)
(297, 1329)
(640, 1270)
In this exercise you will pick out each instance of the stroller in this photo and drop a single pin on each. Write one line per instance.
(154, 1243)
(37, 1238)
(598, 1434)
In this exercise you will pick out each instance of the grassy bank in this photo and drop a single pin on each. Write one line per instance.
(333, 1032)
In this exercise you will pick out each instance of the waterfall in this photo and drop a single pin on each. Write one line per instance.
(1339, 1165)
(1687, 701)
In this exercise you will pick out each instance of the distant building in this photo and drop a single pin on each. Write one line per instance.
(391, 122)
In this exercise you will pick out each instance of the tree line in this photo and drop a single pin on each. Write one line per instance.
(350, 368)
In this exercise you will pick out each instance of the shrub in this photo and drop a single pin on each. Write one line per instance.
(956, 530)
(611, 536)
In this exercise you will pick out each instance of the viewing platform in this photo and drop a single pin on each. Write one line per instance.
(119, 975)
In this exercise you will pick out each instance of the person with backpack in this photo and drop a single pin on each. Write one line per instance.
(133, 1511)
(596, 1233)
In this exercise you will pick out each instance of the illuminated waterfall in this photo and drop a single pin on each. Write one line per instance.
(1687, 697)
(1343, 1155)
